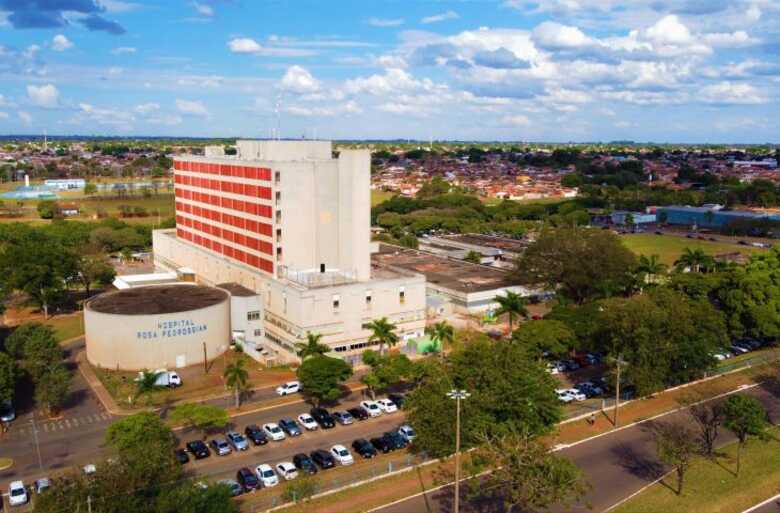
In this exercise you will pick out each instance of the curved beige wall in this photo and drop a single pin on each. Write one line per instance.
(136, 342)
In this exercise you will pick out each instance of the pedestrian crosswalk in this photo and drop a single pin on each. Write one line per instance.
(52, 426)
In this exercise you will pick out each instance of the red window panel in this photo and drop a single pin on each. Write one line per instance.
(207, 243)
(266, 265)
(266, 247)
(217, 246)
(188, 222)
(238, 188)
(179, 220)
(251, 242)
(251, 259)
(265, 174)
(240, 255)
(264, 211)
(227, 251)
(251, 226)
(251, 208)
(218, 231)
(176, 178)
(264, 192)
(238, 205)
(251, 173)
(240, 239)
(196, 210)
(264, 229)
(179, 232)
(197, 225)
(197, 238)
(239, 171)
(250, 190)
(240, 223)
(228, 235)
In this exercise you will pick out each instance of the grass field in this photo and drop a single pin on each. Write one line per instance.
(710, 485)
(161, 204)
(378, 197)
(670, 247)
(67, 326)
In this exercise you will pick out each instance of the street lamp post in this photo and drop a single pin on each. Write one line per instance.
(458, 395)
(619, 362)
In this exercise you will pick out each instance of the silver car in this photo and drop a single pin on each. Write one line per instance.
(237, 440)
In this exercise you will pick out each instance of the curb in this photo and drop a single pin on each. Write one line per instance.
(762, 504)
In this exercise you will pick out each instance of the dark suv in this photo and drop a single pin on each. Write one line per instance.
(247, 479)
(323, 458)
(358, 413)
(397, 399)
(255, 434)
(364, 448)
(383, 444)
(198, 449)
(323, 418)
(305, 464)
(397, 440)
(289, 426)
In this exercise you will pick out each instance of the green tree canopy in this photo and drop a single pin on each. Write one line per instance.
(8, 375)
(744, 416)
(312, 346)
(203, 417)
(545, 336)
(321, 377)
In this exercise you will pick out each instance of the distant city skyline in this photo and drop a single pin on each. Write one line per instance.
(687, 71)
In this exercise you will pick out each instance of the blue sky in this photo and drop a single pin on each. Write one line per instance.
(539, 70)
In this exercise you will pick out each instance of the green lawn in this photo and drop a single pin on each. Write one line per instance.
(711, 487)
(378, 197)
(67, 326)
(670, 247)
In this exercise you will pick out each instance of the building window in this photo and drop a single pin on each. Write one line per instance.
(253, 316)
(401, 295)
(368, 299)
(284, 296)
(258, 333)
(340, 349)
(336, 301)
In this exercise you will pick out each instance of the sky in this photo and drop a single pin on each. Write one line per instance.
(696, 71)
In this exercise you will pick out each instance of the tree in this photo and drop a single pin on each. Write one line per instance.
(745, 417)
(300, 490)
(90, 189)
(694, 259)
(676, 445)
(708, 416)
(321, 377)
(441, 334)
(650, 268)
(203, 417)
(17, 341)
(581, 263)
(312, 346)
(386, 370)
(408, 240)
(545, 337)
(191, 498)
(52, 387)
(383, 332)
(146, 383)
(237, 378)
(139, 432)
(8, 375)
(511, 304)
(525, 475)
(48, 209)
(94, 268)
(475, 257)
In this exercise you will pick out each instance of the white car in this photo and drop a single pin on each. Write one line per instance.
(308, 422)
(372, 408)
(266, 475)
(552, 368)
(564, 396)
(290, 387)
(287, 470)
(407, 433)
(341, 454)
(387, 406)
(89, 469)
(273, 431)
(576, 394)
(17, 494)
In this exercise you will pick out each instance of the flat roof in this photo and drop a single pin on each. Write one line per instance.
(237, 289)
(502, 243)
(157, 299)
(448, 273)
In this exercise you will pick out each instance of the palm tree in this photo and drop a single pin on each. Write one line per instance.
(511, 304)
(146, 383)
(237, 378)
(693, 259)
(651, 267)
(312, 346)
(383, 331)
(441, 333)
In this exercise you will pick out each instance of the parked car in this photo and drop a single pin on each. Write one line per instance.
(341, 454)
(234, 486)
(396, 439)
(364, 448)
(266, 475)
(247, 479)
(181, 456)
(323, 459)
(382, 444)
(343, 418)
(589, 389)
(288, 388)
(564, 396)
(387, 406)
(290, 427)
(576, 394)
(198, 449)
(552, 368)
(7, 413)
(358, 413)
(407, 433)
(90, 468)
(323, 417)
(221, 447)
(254, 433)
(165, 378)
(570, 365)
(17, 494)
(308, 422)
(237, 440)
(398, 399)
(273, 431)
(738, 349)
(41, 485)
(303, 462)
(287, 470)
(372, 408)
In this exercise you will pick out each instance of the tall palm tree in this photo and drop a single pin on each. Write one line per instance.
(237, 378)
(312, 346)
(693, 259)
(511, 304)
(383, 331)
(146, 383)
(651, 267)
(441, 333)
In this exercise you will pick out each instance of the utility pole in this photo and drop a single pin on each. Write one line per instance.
(458, 395)
(205, 360)
(37, 445)
(89, 504)
(619, 362)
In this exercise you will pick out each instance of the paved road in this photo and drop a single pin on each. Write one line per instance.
(771, 507)
(616, 465)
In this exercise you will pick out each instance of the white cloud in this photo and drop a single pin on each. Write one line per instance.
(25, 118)
(147, 108)
(207, 81)
(4, 102)
(191, 107)
(516, 120)
(103, 116)
(203, 9)
(448, 15)
(297, 79)
(346, 108)
(401, 108)
(60, 43)
(393, 81)
(123, 50)
(249, 45)
(46, 96)
(118, 6)
(732, 92)
(554, 35)
(385, 22)
(167, 120)
(3, 115)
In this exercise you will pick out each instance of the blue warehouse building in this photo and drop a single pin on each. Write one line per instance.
(707, 217)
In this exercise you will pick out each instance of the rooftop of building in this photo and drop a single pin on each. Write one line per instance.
(488, 241)
(236, 289)
(157, 299)
(451, 274)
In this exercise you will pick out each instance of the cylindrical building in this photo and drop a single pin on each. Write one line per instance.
(164, 326)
